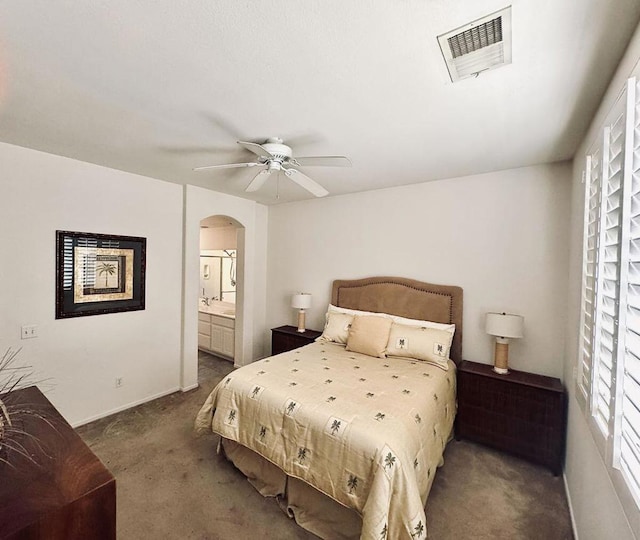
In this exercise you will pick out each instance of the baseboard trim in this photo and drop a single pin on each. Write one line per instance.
(573, 518)
(124, 407)
(188, 388)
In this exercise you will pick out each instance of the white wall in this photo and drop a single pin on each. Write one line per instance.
(251, 263)
(596, 507)
(500, 236)
(81, 357)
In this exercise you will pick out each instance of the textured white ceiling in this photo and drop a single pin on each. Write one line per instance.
(158, 87)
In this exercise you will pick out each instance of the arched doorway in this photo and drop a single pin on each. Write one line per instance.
(221, 287)
(199, 204)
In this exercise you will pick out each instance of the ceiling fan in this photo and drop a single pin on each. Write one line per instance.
(274, 156)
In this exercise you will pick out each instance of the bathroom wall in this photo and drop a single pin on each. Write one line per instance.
(218, 238)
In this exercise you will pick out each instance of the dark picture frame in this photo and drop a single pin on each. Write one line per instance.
(99, 273)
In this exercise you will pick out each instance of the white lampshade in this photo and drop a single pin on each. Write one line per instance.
(301, 301)
(505, 325)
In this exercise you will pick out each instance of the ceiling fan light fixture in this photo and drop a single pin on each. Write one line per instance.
(274, 165)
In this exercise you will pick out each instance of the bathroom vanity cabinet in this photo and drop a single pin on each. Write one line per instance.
(216, 334)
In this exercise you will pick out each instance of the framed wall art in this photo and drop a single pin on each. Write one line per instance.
(99, 273)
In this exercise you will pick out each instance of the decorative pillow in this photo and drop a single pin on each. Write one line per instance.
(336, 328)
(396, 318)
(369, 335)
(428, 344)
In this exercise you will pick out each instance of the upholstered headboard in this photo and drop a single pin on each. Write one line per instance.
(406, 298)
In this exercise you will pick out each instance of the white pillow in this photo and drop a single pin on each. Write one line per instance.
(428, 344)
(347, 311)
(395, 318)
(451, 328)
(336, 328)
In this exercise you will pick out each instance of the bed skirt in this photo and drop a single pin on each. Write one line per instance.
(312, 510)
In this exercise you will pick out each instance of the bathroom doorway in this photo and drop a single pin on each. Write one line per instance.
(220, 286)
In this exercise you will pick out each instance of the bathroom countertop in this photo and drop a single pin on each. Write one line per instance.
(220, 309)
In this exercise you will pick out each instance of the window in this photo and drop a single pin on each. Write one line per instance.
(609, 365)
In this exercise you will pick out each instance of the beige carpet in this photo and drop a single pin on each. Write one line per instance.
(172, 485)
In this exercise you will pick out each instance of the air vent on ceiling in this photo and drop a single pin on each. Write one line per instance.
(478, 46)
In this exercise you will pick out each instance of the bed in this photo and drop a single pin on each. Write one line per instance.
(349, 442)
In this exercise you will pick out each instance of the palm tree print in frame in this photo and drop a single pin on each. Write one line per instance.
(98, 273)
(109, 267)
(103, 274)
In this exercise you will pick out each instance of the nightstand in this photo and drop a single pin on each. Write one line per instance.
(286, 338)
(520, 413)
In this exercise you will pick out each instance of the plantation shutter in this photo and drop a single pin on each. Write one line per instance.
(593, 180)
(607, 275)
(627, 425)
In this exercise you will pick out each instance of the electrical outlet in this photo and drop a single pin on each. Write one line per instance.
(28, 332)
(119, 382)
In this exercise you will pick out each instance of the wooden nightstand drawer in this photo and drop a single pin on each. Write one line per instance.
(287, 338)
(520, 413)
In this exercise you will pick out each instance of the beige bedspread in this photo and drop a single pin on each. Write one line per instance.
(368, 432)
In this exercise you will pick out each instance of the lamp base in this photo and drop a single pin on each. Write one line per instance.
(301, 318)
(501, 357)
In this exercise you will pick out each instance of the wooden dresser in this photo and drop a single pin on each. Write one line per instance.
(520, 413)
(68, 495)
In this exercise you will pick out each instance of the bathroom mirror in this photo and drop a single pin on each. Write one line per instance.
(218, 275)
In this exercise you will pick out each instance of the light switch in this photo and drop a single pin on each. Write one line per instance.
(30, 331)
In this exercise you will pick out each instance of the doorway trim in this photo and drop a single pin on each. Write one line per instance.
(200, 203)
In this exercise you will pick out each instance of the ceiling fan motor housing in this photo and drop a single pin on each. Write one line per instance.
(277, 149)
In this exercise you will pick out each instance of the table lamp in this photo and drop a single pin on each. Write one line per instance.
(301, 301)
(504, 326)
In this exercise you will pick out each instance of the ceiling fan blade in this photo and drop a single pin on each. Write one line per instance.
(307, 183)
(322, 161)
(256, 149)
(227, 166)
(258, 180)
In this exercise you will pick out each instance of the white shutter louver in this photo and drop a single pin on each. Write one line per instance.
(609, 354)
(593, 182)
(607, 287)
(627, 427)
